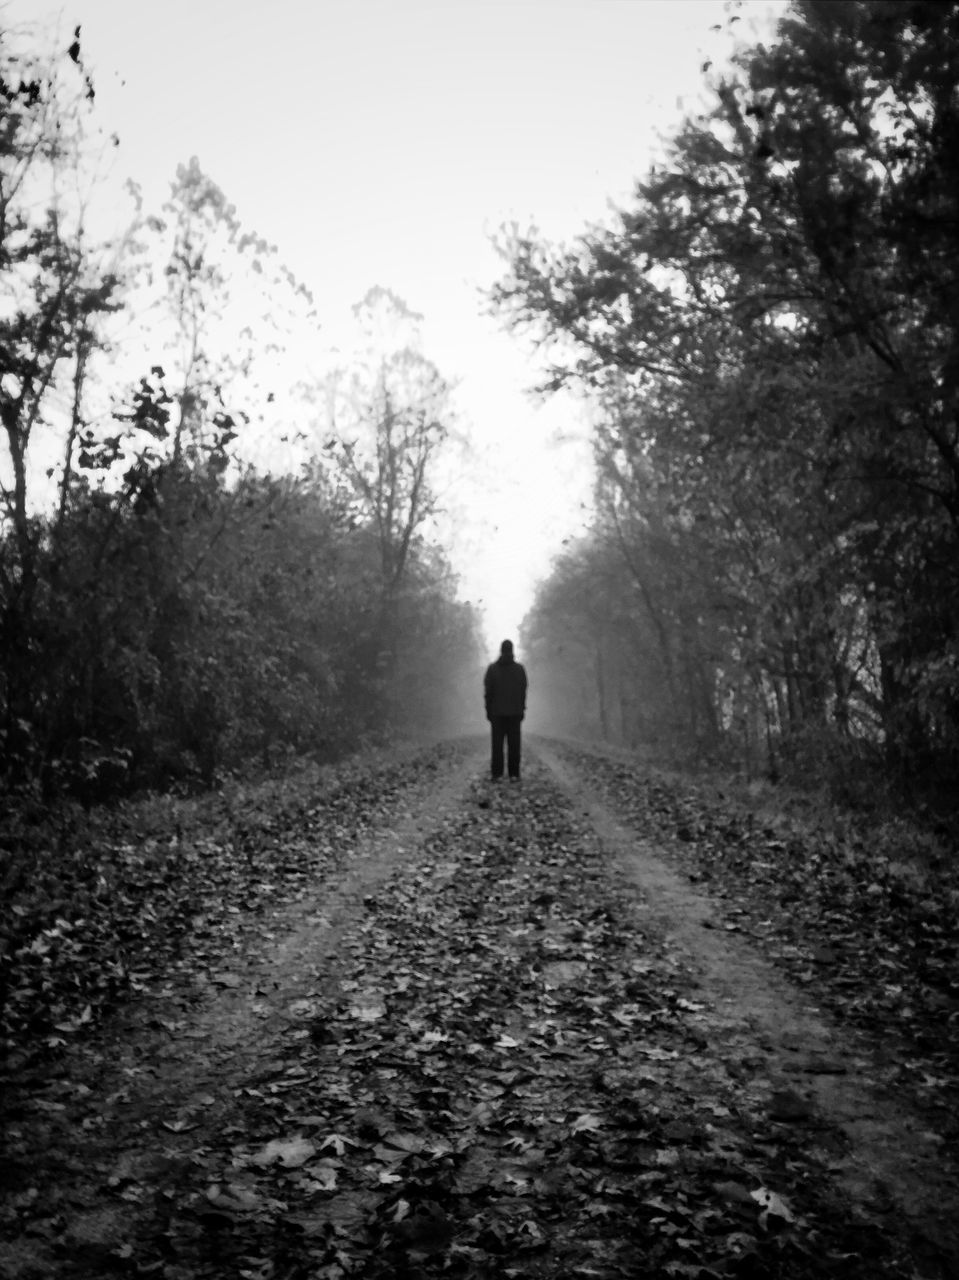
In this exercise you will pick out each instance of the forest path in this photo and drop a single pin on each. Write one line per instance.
(495, 1041)
(793, 1059)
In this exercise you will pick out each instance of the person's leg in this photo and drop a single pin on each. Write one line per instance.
(513, 745)
(497, 733)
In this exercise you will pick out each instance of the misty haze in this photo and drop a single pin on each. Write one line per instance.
(479, 640)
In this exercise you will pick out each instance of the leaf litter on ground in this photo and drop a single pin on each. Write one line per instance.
(533, 1097)
(98, 907)
(863, 913)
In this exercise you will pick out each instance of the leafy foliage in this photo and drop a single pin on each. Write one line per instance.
(178, 614)
(767, 335)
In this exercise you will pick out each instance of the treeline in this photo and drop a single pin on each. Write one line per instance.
(770, 339)
(167, 611)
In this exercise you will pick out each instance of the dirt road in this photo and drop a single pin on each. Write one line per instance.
(502, 1036)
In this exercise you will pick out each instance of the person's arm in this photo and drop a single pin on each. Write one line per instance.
(487, 689)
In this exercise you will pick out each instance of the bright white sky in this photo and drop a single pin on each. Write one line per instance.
(383, 142)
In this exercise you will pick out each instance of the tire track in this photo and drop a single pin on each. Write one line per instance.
(800, 1063)
(497, 1044)
(162, 1072)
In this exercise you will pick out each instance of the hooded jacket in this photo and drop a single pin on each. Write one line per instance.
(504, 687)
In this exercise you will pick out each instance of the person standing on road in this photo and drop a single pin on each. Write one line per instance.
(504, 689)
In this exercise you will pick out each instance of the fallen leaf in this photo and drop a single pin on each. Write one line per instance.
(233, 1197)
(291, 1153)
(369, 1007)
(322, 1177)
(771, 1205)
(338, 1142)
(225, 980)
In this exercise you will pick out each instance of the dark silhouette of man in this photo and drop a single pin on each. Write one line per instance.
(504, 688)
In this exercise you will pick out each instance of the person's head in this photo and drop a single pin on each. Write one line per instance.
(506, 649)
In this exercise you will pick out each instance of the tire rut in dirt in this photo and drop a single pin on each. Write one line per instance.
(118, 1118)
(509, 1081)
(793, 1060)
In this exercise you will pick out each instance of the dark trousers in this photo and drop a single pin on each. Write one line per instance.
(505, 728)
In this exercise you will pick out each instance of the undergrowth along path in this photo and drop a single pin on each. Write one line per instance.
(473, 1046)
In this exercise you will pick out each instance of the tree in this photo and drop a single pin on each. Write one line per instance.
(389, 415)
(574, 634)
(172, 613)
(219, 307)
(772, 330)
(57, 292)
(387, 418)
